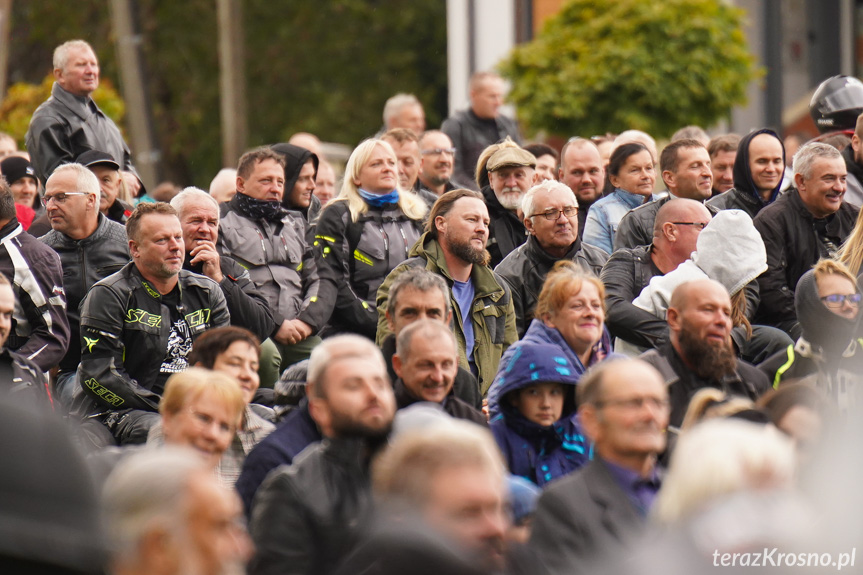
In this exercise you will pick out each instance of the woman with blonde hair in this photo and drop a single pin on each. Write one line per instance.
(365, 233)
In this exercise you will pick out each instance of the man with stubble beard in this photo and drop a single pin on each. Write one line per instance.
(581, 169)
(700, 353)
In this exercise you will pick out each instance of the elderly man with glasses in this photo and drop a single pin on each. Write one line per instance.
(90, 245)
(551, 218)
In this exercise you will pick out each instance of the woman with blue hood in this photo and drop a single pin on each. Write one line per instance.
(570, 329)
(535, 425)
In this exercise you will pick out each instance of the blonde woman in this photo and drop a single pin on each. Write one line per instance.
(365, 233)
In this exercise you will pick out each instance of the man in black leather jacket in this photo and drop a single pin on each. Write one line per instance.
(69, 123)
(307, 517)
(91, 247)
(138, 325)
(551, 239)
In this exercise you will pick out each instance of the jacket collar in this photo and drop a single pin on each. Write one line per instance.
(11, 230)
(632, 200)
(77, 105)
(537, 254)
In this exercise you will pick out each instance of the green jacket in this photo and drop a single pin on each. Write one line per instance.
(493, 314)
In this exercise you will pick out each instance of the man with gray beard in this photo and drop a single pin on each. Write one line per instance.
(700, 353)
(510, 176)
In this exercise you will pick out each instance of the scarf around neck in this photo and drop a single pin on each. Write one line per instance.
(253, 208)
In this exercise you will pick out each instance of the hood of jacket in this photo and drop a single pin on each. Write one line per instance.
(730, 250)
(538, 334)
(821, 327)
(295, 158)
(743, 174)
(529, 364)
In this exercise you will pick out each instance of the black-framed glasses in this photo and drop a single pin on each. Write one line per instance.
(552, 213)
(699, 225)
(439, 151)
(838, 300)
(61, 197)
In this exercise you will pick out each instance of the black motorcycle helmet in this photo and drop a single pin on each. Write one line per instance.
(836, 104)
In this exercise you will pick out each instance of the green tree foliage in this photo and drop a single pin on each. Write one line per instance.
(612, 65)
(321, 67)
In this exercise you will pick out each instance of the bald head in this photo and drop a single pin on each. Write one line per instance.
(681, 299)
(675, 231)
(679, 210)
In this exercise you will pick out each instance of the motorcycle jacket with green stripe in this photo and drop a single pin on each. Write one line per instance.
(125, 331)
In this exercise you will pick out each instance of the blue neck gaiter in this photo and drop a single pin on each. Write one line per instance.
(377, 200)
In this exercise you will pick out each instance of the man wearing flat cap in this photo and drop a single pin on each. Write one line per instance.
(510, 176)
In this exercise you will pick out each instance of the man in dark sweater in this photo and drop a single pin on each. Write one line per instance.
(481, 125)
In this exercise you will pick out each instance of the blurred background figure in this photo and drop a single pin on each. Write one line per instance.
(49, 513)
(691, 133)
(224, 185)
(166, 514)
(325, 183)
(723, 151)
(8, 146)
(546, 161)
(404, 111)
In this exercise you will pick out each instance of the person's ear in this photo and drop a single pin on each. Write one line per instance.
(590, 421)
(799, 182)
(390, 323)
(397, 365)
(672, 318)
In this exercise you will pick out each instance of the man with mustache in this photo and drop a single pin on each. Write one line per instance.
(685, 166)
(802, 226)
(453, 246)
(700, 353)
(510, 176)
(601, 509)
(307, 517)
(582, 170)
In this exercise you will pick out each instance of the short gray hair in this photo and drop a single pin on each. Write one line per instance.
(395, 104)
(529, 199)
(426, 329)
(190, 194)
(404, 471)
(806, 156)
(146, 491)
(61, 52)
(86, 180)
(422, 280)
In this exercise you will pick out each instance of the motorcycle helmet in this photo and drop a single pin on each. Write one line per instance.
(836, 104)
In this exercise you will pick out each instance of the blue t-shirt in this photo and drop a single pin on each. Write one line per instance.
(463, 293)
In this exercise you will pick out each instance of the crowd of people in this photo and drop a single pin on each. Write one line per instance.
(464, 355)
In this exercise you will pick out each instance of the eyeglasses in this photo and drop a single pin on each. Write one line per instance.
(699, 225)
(635, 403)
(61, 197)
(439, 151)
(838, 300)
(552, 214)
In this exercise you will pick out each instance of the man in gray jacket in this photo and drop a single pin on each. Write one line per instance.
(271, 243)
(91, 247)
(69, 123)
